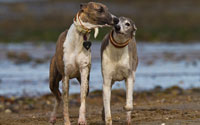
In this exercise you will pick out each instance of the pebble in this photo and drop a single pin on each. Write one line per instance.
(13, 98)
(16, 107)
(20, 102)
(7, 103)
(29, 107)
(1, 106)
(48, 102)
(8, 111)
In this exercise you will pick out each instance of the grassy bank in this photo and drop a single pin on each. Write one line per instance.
(158, 20)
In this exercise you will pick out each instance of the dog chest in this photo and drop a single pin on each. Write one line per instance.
(75, 61)
(117, 67)
(75, 56)
(84, 59)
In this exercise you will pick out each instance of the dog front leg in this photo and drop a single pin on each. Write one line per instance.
(65, 88)
(106, 100)
(129, 96)
(84, 90)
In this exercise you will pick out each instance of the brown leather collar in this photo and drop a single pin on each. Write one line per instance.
(116, 44)
(81, 28)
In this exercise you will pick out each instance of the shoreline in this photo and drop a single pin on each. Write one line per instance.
(160, 65)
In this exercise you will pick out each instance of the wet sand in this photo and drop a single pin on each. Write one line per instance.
(173, 106)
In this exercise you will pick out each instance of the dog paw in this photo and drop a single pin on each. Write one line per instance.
(52, 120)
(128, 122)
(82, 122)
(108, 121)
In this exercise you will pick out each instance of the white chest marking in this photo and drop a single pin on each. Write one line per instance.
(75, 55)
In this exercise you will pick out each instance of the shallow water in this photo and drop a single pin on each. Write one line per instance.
(162, 65)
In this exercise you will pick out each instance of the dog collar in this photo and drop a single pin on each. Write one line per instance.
(80, 27)
(116, 44)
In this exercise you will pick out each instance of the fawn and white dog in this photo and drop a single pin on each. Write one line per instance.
(119, 62)
(72, 58)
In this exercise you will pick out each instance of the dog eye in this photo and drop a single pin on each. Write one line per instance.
(127, 24)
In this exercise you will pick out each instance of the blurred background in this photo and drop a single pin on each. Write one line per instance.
(43, 20)
(168, 43)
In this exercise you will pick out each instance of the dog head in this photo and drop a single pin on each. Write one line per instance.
(125, 27)
(95, 15)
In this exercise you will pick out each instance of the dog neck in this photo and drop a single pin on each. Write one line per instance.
(77, 32)
(74, 40)
(119, 40)
(79, 25)
(116, 47)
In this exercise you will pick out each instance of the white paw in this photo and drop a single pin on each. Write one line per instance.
(108, 121)
(52, 120)
(82, 121)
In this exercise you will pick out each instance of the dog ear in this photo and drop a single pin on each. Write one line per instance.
(134, 27)
(134, 30)
(83, 6)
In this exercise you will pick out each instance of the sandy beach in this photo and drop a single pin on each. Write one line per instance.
(172, 106)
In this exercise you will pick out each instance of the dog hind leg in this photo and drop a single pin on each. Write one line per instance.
(65, 88)
(54, 79)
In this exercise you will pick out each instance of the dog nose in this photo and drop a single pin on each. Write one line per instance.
(117, 27)
(116, 20)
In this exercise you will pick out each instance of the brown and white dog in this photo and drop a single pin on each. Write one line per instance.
(73, 60)
(119, 61)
